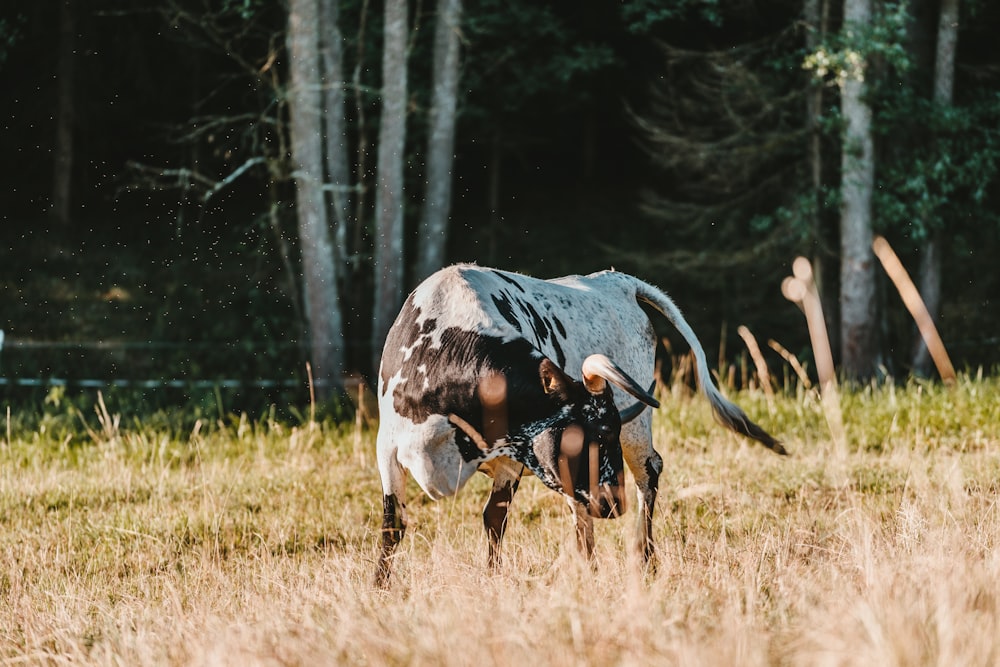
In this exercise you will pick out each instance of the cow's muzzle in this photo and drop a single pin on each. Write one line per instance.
(607, 501)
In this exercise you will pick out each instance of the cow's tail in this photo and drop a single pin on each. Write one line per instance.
(727, 412)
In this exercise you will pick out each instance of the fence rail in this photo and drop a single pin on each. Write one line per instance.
(151, 364)
(151, 384)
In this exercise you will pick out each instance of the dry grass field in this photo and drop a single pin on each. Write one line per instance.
(253, 542)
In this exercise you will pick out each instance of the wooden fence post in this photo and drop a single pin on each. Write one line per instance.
(915, 304)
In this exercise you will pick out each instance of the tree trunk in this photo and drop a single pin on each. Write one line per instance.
(858, 327)
(493, 197)
(433, 239)
(947, 44)
(815, 16)
(389, 204)
(319, 283)
(930, 261)
(65, 111)
(331, 53)
(361, 127)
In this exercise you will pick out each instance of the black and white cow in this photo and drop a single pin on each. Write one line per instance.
(478, 372)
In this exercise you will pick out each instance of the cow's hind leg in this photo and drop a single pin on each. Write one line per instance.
(646, 466)
(647, 484)
(393, 515)
(506, 477)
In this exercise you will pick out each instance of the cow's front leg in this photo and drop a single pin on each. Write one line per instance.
(584, 524)
(495, 519)
(505, 472)
(506, 477)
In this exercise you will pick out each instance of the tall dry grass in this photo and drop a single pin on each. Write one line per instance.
(254, 543)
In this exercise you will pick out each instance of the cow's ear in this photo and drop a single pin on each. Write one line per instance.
(554, 381)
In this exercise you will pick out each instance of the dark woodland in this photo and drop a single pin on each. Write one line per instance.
(157, 178)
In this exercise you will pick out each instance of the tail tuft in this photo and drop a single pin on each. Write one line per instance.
(733, 418)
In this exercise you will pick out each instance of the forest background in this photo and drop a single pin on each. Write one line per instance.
(171, 211)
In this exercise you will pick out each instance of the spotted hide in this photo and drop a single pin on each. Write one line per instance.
(479, 372)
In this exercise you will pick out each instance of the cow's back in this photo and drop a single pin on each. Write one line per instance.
(606, 319)
(565, 319)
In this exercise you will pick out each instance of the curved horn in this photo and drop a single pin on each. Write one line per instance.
(634, 410)
(597, 368)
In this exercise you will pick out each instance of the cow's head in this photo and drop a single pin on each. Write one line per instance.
(581, 451)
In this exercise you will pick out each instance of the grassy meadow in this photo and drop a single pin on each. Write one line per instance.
(249, 541)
